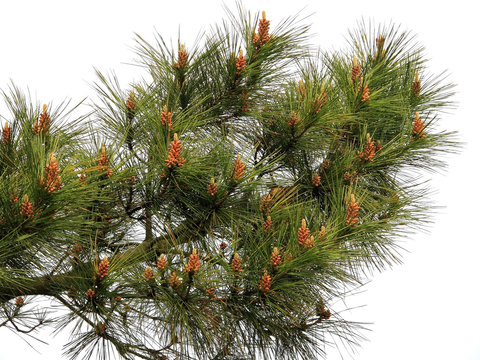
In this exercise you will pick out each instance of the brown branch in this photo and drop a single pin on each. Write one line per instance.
(52, 285)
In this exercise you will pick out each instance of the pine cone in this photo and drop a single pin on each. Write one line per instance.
(161, 262)
(266, 283)
(103, 268)
(303, 233)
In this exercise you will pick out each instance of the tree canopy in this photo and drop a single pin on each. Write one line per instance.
(216, 209)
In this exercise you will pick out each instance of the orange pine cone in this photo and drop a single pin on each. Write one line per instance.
(236, 264)
(26, 209)
(266, 282)
(416, 86)
(322, 234)
(166, 118)
(263, 27)
(193, 263)
(368, 151)
(275, 257)
(51, 181)
(103, 268)
(268, 225)
(255, 38)
(182, 58)
(240, 63)
(303, 233)
(326, 164)
(365, 94)
(310, 242)
(103, 161)
(174, 280)
(44, 120)
(212, 187)
(161, 262)
(353, 177)
(351, 218)
(131, 106)
(418, 127)
(316, 180)
(148, 274)
(238, 169)
(6, 134)
(293, 120)
(174, 157)
(42, 125)
(19, 301)
(90, 293)
(356, 71)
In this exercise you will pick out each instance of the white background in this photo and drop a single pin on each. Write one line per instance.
(427, 308)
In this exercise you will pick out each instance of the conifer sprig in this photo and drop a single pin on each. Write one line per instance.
(220, 209)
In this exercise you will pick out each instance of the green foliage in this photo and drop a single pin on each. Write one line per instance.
(270, 180)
